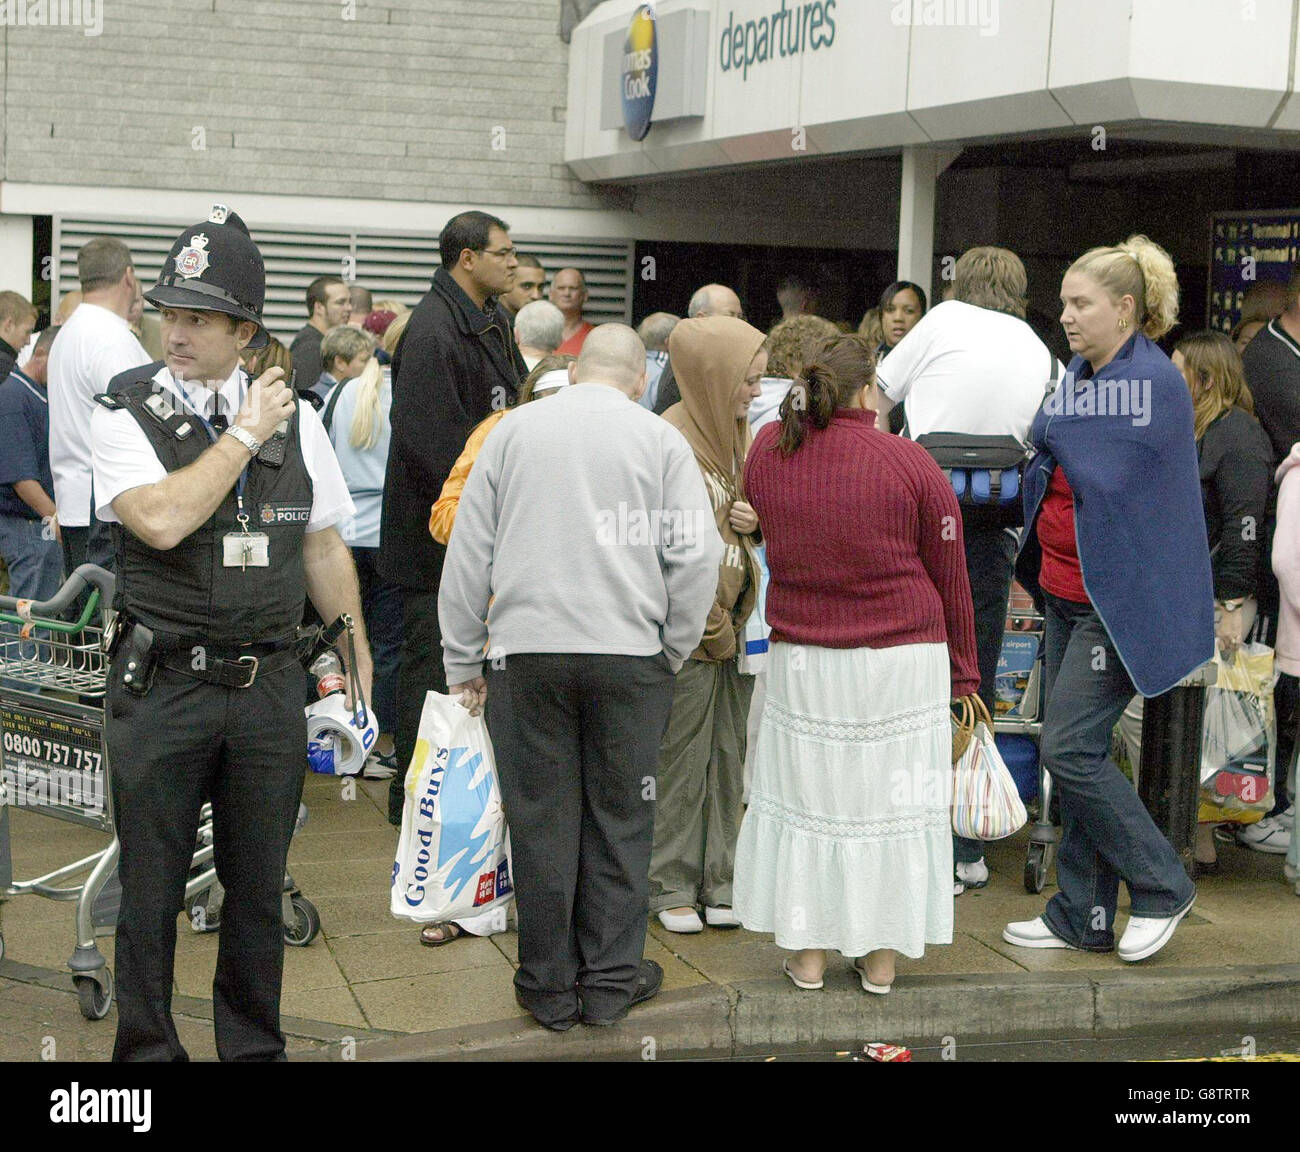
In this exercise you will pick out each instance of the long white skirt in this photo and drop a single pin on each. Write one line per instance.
(847, 841)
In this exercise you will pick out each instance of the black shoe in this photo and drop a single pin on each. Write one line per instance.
(554, 1025)
(649, 979)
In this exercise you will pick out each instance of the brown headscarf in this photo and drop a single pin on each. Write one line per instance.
(710, 356)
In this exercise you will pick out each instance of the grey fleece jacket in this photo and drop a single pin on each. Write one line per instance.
(586, 522)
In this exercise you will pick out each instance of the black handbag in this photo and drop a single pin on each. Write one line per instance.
(986, 472)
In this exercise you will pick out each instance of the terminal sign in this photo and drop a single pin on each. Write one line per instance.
(640, 72)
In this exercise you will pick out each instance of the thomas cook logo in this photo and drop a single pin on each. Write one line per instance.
(640, 72)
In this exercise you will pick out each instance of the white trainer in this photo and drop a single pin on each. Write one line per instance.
(1271, 835)
(681, 922)
(973, 875)
(721, 918)
(1034, 934)
(1146, 935)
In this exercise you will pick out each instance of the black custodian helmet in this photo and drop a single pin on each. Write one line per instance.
(215, 267)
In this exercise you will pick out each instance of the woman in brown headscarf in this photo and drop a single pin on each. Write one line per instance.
(718, 362)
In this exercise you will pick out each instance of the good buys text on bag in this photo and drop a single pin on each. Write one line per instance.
(453, 853)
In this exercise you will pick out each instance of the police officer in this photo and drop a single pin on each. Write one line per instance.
(225, 494)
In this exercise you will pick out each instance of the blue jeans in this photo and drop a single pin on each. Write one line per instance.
(1106, 832)
(381, 608)
(35, 567)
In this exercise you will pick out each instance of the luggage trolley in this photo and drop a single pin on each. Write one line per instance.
(52, 760)
(1020, 693)
(53, 675)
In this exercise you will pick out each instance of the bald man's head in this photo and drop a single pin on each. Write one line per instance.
(569, 292)
(612, 354)
(715, 300)
(67, 306)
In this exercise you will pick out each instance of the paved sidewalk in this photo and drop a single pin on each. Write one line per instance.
(367, 986)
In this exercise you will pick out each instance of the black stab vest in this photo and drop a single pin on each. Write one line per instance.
(186, 594)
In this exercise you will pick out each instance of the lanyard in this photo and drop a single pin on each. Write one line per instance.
(184, 396)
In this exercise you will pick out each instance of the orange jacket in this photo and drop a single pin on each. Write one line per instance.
(443, 514)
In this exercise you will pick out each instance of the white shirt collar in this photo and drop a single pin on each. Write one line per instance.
(100, 312)
(199, 396)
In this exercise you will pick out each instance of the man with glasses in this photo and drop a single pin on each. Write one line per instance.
(569, 295)
(530, 285)
(456, 362)
(711, 300)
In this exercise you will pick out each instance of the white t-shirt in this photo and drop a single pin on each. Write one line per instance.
(970, 370)
(124, 458)
(92, 347)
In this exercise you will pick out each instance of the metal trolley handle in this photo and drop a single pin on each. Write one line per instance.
(46, 612)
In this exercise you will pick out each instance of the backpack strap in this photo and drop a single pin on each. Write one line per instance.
(327, 417)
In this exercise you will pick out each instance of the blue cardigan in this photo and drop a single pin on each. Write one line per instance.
(1125, 440)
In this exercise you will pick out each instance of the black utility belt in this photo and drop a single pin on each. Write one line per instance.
(227, 665)
(227, 671)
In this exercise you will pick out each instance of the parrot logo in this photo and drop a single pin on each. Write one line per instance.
(462, 809)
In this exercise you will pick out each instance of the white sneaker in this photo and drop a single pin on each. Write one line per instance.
(721, 918)
(958, 887)
(1034, 934)
(684, 923)
(1271, 834)
(973, 875)
(379, 767)
(1146, 935)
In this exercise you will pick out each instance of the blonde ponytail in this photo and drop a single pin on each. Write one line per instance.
(1160, 305)
(1142, 269)
(366, 419)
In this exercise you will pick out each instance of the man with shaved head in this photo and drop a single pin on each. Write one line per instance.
(711, 300)
(569, 295)
(585, 519)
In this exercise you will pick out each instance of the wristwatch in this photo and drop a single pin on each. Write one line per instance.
(245, 437)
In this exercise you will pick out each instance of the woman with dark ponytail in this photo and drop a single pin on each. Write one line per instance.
(846, 843)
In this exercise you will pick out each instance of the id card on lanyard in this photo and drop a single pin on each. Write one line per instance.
(242, 549)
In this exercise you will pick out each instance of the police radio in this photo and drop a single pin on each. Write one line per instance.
(272, 452)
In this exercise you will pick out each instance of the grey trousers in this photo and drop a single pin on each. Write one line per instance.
(699, 786)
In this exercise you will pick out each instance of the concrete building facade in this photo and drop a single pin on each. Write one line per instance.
(853, 139)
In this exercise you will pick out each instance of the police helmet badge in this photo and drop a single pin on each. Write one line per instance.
(192, 260)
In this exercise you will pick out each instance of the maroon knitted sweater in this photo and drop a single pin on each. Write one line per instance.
(864, 543)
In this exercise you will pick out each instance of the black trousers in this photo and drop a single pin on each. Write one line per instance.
(244, 749)
(419, 671)
(576, 739)
(90, 545)
(990, 559)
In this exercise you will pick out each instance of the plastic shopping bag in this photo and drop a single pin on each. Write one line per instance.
(986, 803)
(1239, 738)
(752, 657)
(453, 856)
(338, 741)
